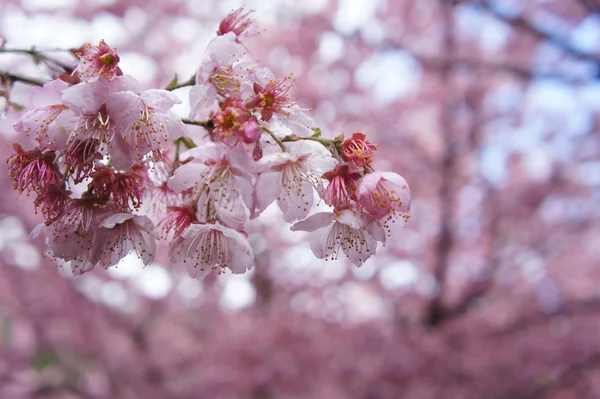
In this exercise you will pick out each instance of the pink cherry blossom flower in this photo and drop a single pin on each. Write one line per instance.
(81, 157)
(53, 201)
(238, 23)
(125, 189)
(32, 170)
(98, 62)
(341, 191)
(291, 178)
(144, 123)
(72, 237)
(271, 98)
(123, 233)
(220, 178)
(385, 195)
(221, 74)
(358, 149)
(345, 231)
(179, 218)
(234, 124)
(203, 248)
(271, 101)
(88, 103)
(48, 106)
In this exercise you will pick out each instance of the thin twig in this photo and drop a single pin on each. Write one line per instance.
(207, 123)
(18, 78)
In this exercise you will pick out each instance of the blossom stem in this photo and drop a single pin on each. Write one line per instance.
(174, 85)
(277, 140)
(331, 144)
(186, 141)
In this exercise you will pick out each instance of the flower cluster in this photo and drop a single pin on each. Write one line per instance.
(106, 150)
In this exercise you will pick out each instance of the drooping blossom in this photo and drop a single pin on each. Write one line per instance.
(72, 237)
(123, 233)
(53, 201)
(125, 189)
(81, 157)
(178, 219)
(385, 195)
(237, 22)
(220, 74)
(290, 178)
(234, 124)
(203, 248)
(48, 107)
(98, 62)
(341, 191)
(32, 170)
(346, 231)
(358, 150)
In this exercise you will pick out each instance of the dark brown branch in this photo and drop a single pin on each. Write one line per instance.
(11, 77)
(443, 247)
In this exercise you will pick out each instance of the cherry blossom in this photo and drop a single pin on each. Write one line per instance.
(344, 231)
(221, 74)
(290, 178)
(48, 107)
(203, 248)
(358, 150)
(385, 194)
(123, 233)
(219, 180)
(237, 22)
(98, 62)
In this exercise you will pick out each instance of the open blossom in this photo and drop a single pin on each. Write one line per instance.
(291, 177)
(144, 123)
(89, 104)
(203, 248)
(98, 62)
(345, 231)
(220, 180)
(123, 233)
(271, 98)
(48, 106)
(385, 195)
(221, 74)
(358, 149)
(272, 102)
(234, 124)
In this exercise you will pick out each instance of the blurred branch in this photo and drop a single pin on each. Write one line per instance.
(520, 22)
(11, 77)
(560, 378)
(443, 247)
